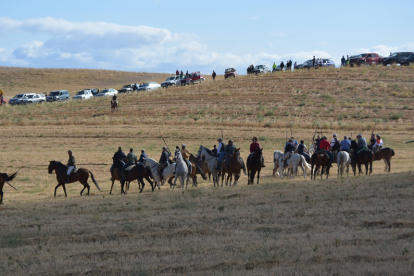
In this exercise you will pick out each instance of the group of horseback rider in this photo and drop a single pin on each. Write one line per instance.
(322, 145)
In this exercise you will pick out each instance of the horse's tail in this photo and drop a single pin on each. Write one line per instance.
(94, 181)
(200, 171)
(393, 153)
(243, 166)
(306, 165)
(9, 178)
(149, 172)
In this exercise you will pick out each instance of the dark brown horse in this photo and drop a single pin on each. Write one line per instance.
(386, 154)
(138, 173)
(365, 157)
(235, 166)
(4, 178)
(82, 175)
(321, 161)
(114, 105)
(254, 164)
(202, 167)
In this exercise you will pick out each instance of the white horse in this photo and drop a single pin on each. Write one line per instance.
(211, 160)
(293, 162)
(166, 173)
(343, 159)
(181, 169)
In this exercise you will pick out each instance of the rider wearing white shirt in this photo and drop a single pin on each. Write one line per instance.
(378, 143)
(333, 142)
(221, 146)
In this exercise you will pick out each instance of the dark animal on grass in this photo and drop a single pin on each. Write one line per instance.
(235, 167)
(139, 172)
(386, 154)
(5, 178)
(254, 165)
(365, 157)
(321, 161)
(198, 168)
(82, 175)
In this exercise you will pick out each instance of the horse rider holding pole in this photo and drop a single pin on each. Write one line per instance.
(253, 146)
(289, 149)
(220, 152)
(131, 159)
(71, 165)
(118, 162)
(185, 153)
(165, 155)
(325, 149)
(378, 144)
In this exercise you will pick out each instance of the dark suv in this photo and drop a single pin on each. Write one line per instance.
(407, 60)
(395, 58)
(58, 95)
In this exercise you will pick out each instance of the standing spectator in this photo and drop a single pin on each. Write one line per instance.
(313, 61)
(177, 72)
(295, 65)
(274, 67)
(347, 59)
(182, 73)
(343, 61)
(214, 75)
(281, 66)
(186, 74)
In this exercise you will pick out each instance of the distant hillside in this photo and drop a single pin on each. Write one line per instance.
(14, 80)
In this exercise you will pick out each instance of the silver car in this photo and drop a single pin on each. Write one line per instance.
(149, 86)
(261, 69)
(34, 98)
(107, 93)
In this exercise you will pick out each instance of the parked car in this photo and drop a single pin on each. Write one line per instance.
(395, 58)
(196, 77)
(407, 60)
(367, 58)
(328, 63)
(94, 91)
(83, 95)
(306, 65)
(149, 86)
(18, 99)
(261, 69)
(172, 81)
(230, 73)
(128, 88)
(34, 98)
(107, 93)
(58, 95)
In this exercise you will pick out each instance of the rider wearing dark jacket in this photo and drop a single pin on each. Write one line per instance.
(118, 161)
(142, 156)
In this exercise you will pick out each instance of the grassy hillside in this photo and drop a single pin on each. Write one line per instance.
(344, 226)
(15, 80)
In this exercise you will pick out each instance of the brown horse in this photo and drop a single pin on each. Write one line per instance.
(114, 105)
(365, 157)
(4, 178)
(386, 154)
(202, 167)
(254, 164)
(321, 161)
(235, 166)
(82, 175)
(138, 173)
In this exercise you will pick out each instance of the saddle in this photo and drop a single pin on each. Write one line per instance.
(130, 168)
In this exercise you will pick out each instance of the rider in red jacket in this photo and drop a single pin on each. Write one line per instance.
(325, 146)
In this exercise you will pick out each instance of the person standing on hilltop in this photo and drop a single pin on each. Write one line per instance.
(214, 75)
(177, 72)
(313, 61)
(281, 66)
(274, 67)
(343, 61)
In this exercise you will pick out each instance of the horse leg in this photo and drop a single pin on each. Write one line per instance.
(57, 186)
(84, 187)
(258, 176)
(1, 196)
(113, 181)
(370, 168)
(64, 189)
(248, 176)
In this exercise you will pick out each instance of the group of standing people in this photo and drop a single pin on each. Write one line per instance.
(178, 73)
(344, 61)
(282, 65)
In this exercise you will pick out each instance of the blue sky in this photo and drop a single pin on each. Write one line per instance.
(161, 36)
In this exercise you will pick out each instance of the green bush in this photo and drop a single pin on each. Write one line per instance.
(396, 116)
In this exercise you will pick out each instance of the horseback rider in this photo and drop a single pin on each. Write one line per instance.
(114, 100)
(345, 144)
(142, 157)
(362, 143)
(214, 150)
(220, 152)
(253, 146)
(334, 140)
(163, 162)
(289, 149)
(71, 165)
(378, 144)
(131, 159)
(372, 141)
(326, 149)
(317, 141)
(295, 143)
(185, 153)
(302, 151)
(228, 150)
(118, 162)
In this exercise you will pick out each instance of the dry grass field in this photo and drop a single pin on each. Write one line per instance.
(360, 225)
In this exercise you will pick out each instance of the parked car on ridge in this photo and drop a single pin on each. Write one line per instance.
(83, 95)
(107, 93)
(128, 88)
(58, 95)
(18, 99)
(172, 81)
(230, 73)
(394, 58)
(261, 69)
(149, 86)
(367, 58)
(196, 77)
(34, 98)
(407, 60)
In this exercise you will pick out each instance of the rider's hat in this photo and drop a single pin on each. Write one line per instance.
(69, 151)
(345, 137)
(230, 141)
(359, 135)
(292, 137)
(183, 145)
(142, 150)
(219, 139)
(324, 137)
(378, 135)
(164, 147)
(334, 135)
(290, 140)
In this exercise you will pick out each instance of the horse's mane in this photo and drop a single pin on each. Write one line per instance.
(210, 152)
(58, 163)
